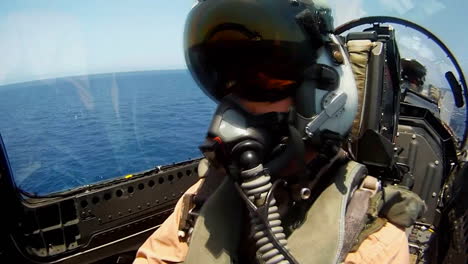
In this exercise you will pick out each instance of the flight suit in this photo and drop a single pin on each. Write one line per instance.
(387, 245)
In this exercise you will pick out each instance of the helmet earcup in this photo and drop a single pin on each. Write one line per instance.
(315, 96)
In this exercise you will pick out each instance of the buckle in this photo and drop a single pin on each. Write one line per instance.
(370, 184)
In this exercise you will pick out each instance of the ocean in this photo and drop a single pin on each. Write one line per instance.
(69, 132)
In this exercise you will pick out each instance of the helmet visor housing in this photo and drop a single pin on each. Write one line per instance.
(253, 49)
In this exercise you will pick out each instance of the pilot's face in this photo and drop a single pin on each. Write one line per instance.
(266, 107)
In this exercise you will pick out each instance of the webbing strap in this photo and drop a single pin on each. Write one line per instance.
(357, 211)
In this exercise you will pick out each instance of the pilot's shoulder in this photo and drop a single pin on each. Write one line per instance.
(389, 245)
(165, 245)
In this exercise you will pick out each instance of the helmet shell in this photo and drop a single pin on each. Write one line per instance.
(255, 49)
(341, 121)
(413, 71)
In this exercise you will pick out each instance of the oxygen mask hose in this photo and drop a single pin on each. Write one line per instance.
(256, 189)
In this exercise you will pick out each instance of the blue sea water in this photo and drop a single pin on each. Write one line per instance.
(68, 132)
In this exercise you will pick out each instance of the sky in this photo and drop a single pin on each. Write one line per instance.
(50, 38)
(57, 38)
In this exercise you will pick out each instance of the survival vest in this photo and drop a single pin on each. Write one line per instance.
(352, 206)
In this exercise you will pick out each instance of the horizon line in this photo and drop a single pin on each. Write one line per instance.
(45, 79)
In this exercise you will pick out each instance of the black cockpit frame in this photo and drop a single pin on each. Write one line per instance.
(100, 223)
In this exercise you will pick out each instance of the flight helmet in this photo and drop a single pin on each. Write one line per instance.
(264, 51)
(413, 71)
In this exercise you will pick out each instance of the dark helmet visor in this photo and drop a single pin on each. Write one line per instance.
(235, 60)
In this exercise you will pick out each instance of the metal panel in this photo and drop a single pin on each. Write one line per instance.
(425, 163)
(101, 215)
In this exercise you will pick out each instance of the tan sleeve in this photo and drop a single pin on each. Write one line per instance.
(164, 246)
(389, 245)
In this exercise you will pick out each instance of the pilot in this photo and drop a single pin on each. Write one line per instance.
(276, 186)
(413, 74)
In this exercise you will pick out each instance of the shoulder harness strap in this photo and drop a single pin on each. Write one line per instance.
(356, 212)
(211, 178)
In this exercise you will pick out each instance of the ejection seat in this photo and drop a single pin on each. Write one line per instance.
(376, 66)
(398, 142)
(387, 135)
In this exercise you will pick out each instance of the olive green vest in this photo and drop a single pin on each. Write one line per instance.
(216, 234)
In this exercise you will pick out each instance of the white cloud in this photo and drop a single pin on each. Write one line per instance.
(402, 7)
(399, 6)
(432, 6)
(353, 10)
(415, 45)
